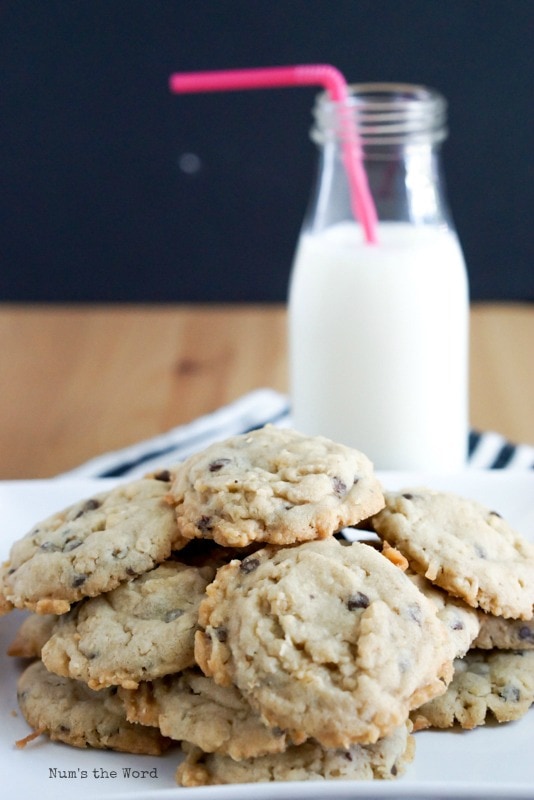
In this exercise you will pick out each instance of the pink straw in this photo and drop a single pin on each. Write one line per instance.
(300, 75)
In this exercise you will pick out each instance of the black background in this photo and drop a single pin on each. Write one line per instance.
(96, 200)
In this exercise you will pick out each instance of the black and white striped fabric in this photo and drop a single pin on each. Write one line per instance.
(487, 450)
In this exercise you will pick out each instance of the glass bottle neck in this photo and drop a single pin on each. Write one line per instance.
(384, 114)
(400, 128)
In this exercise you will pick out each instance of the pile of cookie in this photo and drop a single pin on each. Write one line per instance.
(233, 606)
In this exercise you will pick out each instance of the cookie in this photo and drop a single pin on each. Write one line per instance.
(5, 605)
(139, 631)
(492, 683)
(460, 545)
(273, 485)
(192, 708)
(324, 640)
(504, 634)
(462, 621)
(32, 635)
(68, 711)
(91, 547)
(384, 760)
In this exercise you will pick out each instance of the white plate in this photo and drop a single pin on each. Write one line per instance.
(494, 761)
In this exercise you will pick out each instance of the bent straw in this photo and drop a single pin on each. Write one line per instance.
(323, 75)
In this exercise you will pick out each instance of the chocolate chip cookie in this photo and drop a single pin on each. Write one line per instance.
(462, 621)
(324, 640)
(32, 635)
(273, 485)
(504, 634)
(68, 711)
(139, 631)
(386, 759)
(465, 548)
(192, 708)
(486, 683)
(92, 546)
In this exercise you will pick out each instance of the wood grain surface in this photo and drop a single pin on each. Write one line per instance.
(78, 381)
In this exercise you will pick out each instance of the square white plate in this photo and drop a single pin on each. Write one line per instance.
(494, 761)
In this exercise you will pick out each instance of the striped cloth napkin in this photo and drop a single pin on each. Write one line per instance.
(487, 450)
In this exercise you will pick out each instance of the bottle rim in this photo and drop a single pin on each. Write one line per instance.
(384, 113)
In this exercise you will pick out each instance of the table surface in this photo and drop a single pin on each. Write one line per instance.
(81, 380)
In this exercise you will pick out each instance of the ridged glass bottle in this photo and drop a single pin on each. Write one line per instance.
(378, 333)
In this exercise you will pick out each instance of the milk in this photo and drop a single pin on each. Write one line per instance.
(378, 340)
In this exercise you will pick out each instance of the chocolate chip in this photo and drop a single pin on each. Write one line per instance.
(348, 755)
(510, 694)
(91, 656)
(457, 625)
(218, 464)
(359, 600)
(249, 565)
(526, 633)
(71, 544)
(340, 487)
(169, 616)
(92, 504)
(414, 612)
(131, 572)
(407, 496)
(78, 580)
(89, 505)
(49, 547)
(221, 634)
(163, 475)
(204, 524)
(394, 769)
(496, 514)
(64, 729)
(481, 553)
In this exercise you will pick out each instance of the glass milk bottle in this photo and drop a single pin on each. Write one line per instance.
(378, 333)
